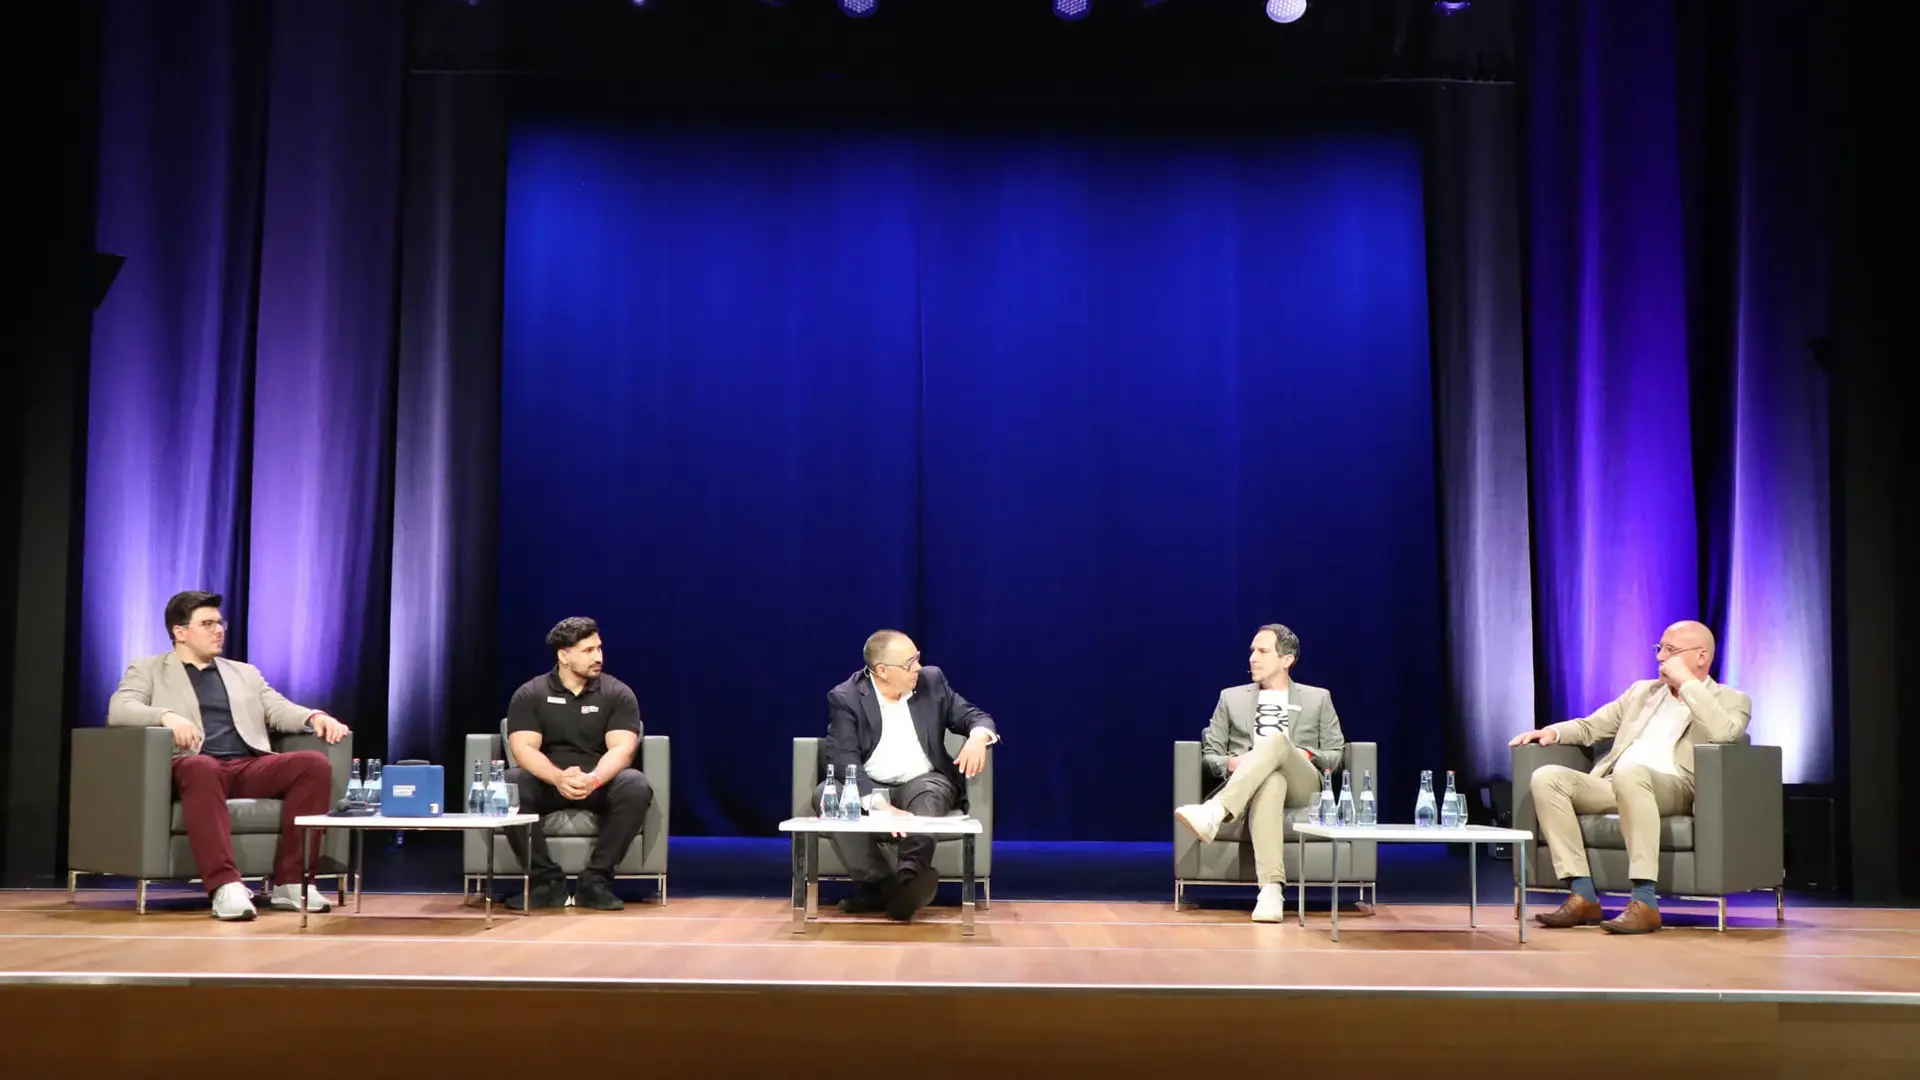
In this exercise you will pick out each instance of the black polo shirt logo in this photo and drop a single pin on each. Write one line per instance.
(589, 709)
(556, 701)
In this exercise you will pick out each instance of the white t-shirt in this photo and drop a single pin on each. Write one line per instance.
(1271, 715)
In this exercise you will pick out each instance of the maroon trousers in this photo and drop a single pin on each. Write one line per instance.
(302, 780)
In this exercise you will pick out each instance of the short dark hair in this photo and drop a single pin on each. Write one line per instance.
(182, 605)
(1285, 641)
(570, 632)
(876, 646)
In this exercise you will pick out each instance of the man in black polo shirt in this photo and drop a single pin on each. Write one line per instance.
(574, 732)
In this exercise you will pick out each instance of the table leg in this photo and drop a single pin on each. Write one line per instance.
(487, 905)
(1301, 886)
(813, 875)
(306, 871)
(1336, 890)
(1522, 849)
(966, 885)
(1473, 887)
(799, 883)
(526, 876)
(359, 865)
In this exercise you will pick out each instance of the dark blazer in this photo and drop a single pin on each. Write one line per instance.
(853, 724)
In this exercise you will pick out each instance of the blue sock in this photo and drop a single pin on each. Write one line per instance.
(1583, 887)
(1643, 892)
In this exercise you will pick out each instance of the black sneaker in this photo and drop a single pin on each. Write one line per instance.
(596, 894)
(545, 894)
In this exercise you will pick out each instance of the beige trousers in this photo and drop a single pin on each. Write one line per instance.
(1640, 795)
(1271, 777)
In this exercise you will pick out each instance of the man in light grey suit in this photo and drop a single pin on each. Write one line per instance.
(219, 712)
(1269, 740)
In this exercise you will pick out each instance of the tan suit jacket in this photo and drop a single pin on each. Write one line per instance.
(156, 685)
(1315, 726)
(1720, 715)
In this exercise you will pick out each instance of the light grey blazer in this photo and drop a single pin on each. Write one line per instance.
(154, 685)
(1315, 726)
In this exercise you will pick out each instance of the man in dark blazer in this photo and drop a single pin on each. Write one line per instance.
(890, 720)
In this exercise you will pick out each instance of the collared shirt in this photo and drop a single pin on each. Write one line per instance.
(221, 739)
(573, 727)
(1654, 747)
(898, 757)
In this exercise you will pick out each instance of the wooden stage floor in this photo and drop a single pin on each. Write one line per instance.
(722, 987)
(1822, 953)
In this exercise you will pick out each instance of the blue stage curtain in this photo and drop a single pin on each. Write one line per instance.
(1680, 445)
(1080, 435)
(182, 131)
(241, 370)
(319, 532)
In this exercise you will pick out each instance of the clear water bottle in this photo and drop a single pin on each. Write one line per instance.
(1424, 811)
(356, 789)
(1346, 797)
(829, 797)
(1326, 813)
(1369, 813)
(850, 795)
(497, 790)
(1450, 806)
(477, 791)
(373, 785)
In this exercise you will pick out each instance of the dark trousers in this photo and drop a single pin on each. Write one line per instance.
(864, 854)
(302, 781)
(621, 805)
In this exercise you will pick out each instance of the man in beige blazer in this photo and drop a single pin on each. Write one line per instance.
(1647, 774)
(1269, 740)
(219, 712)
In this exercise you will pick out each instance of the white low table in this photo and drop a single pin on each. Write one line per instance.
(806, 833)
(444, 823)
(1471, 835)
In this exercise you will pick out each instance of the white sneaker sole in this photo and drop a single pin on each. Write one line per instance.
(239, 916)
(1270, 916)
(1193, 826)
(278, 904)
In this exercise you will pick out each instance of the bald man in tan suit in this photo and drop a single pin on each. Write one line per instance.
(1647, 774)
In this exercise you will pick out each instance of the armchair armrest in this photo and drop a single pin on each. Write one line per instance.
(1739, 834)
(1528, 760)
(806, 775)
(339, 756)
(1189, 772)
(481, 749)
(656, 762)
(120, 801)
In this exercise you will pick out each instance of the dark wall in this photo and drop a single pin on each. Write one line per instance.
(52, 147)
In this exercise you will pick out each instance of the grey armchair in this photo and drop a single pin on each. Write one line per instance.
(810, 767)
(1733, 842)
(123, 819)
(1228, 859)
(571, 833)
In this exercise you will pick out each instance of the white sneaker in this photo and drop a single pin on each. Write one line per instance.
(233, 902)
(287, 898)
(1204, 818)
(1272, 905)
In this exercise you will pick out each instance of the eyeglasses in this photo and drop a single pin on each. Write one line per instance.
(1662, 649)
(210, 624)
(911, 663)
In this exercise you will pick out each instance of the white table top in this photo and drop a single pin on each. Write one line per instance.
(892, 823)
(1463, 834)
(444, 821)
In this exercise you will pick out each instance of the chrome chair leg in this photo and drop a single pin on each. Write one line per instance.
(140, 897)
(1780, 905)
(73, 885)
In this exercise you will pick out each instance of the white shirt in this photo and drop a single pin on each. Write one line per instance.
(898, 758)
(1654, 747)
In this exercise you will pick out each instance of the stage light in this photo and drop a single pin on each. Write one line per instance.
(1286, 11)
(1450, 8)
(859, 9)
(1072, 10)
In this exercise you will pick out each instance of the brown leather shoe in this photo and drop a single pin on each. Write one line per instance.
(1577, 911)
(1637, 919)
